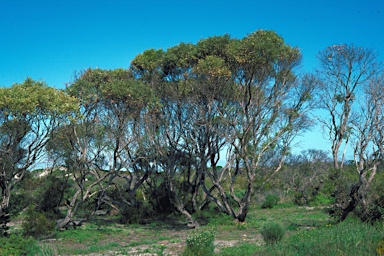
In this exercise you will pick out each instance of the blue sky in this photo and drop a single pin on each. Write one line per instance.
(50, 40)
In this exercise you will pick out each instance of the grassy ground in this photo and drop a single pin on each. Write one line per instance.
(309, 231)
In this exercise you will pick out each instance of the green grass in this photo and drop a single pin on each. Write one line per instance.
(348, 238)
(18, 245)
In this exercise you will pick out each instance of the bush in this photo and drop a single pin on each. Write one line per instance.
(271, 201)
(373, 210)
(200, 244)
(17, 245)
(369, 201)
(36, 224)
(161, 200)
(136, 214)
(272, 232)
(322, 200)
(50, 195)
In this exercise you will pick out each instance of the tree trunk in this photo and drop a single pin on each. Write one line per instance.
(242, 212)
(354, 200)
(72, 209)
(180, 206)
(4, 219)
(4, 211)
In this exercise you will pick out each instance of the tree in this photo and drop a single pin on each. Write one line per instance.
(268, 110)
(28, 113)
(351, 87)
(184, 142)
(368, 150)
(306, 173)
(109, 141)
(224, 93)
(344, 72)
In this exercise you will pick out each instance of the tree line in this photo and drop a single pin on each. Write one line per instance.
(157, 131)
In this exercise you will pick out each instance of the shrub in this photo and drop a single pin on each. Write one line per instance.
(17, 245)
(48, 250)
(200, 244)
(136, 214)
(272, 232)
(271, 201)
(161, 200)
(322, 200)
(369, 201)
(36, 224)
(51, 194)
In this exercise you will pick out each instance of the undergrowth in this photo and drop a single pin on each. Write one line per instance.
(351, 237)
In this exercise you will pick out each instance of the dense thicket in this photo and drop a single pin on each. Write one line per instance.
(198, 126)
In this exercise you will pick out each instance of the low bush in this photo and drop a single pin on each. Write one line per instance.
(272, 232)
(200, 244)
(136, 214)
(18, 245)
(36, 224)
(50, 194)
(161, 200)
(271, 201)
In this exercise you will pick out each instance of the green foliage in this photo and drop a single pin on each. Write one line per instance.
(200, 243)
(347, 238)
(242, 249)
(48, 250)
(36, 224)
(161, 200)
(18, 245)
(34, 97)
(369, 210)
(215, 217)
(272, 232)
(321, 200)
(148, 61)
(23, 193)
(342, 182)
(271, 201)
(373, 210)
(354, 238)
(136, 214)
(112, 87)
(50, 195)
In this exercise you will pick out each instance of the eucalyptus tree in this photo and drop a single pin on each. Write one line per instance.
(305, 174)
(367, 142)
(344, 72)
(109, 141)
(192, 80)
(171, 71)
(224, 93)
(29, 112)
(267, 110)
(213, 90)
(351, 89)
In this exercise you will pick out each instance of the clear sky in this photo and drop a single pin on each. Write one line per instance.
(50, 39)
